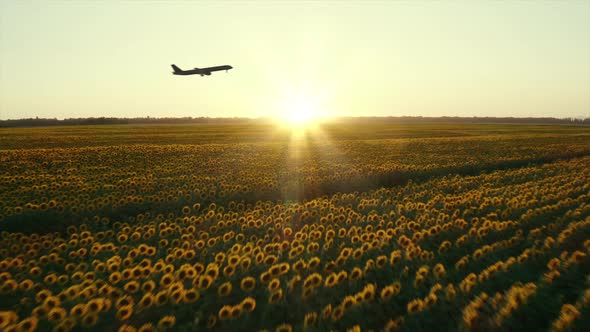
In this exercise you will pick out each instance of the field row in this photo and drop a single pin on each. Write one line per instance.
(504, 250)
(65, 184)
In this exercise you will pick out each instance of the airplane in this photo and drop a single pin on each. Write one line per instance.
(201, 71)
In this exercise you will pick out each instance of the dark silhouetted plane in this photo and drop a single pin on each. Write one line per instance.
(199, 71)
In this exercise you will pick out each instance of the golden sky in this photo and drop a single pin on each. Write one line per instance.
(350, 58)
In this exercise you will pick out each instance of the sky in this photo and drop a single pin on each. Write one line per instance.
(63, 59)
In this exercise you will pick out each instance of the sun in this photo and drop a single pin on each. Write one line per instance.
(301, 114)
(299, 111)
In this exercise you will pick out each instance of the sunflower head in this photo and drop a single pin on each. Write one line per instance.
(211, 321)
(224, 289)
(247, 284)
(415, 306)
(236, 311)
(284, 328)
(225, 312)
(248, 304)
(191, 296)
(273, 285)
(89, 320)
(166, 322)
(275, 296)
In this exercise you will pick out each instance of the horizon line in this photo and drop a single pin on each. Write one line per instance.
(319, 117)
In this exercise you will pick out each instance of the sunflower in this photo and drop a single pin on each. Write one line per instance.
(436, 288)
(78, 310)
(124, 312)
(167, 322)
(191, 296)
(211, 321)
(248, 304)
(306, 293)
(586, 297)
(576, 257)
(146, 301)
(176, 296)
(393, 324)
(292, 283)
(265, 277)
(148, 286)
(233, 260)
(199, 268)
(245, 263)
(205, 281)
(284, 328)
(461, 263)
(247, 284)
(439, 271)
(229, 271)
(316, 279)
(94, 305)
(148, 327)
(161, 298)
(313, 263)
(299, 266)
(50, 279)
(89, 320)
(40, 311)
(225, 312)
(284, 267)
(310, 320)
(236, 311)
(51, 302)
(381, 261)
(423, 271)
(131, 287)
(386, 293)
(337, 313)
(550, 276)
(369, 265)
(56, 314)
(331, 280)
(42, 295)
(136, 272)
(28, 324)
(395, 257)
(275, 296)
(224, 289)
(274, 284)
(430, 300)
(348, 302)
(415, 306)
(62, 327)
(342, 275)
(106, 305)
(270, 259)
(369, 293)
(7, 318)
(212, 271)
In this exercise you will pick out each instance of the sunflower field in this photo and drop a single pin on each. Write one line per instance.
(248, 228)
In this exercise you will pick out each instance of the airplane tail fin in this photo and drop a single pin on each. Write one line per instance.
(176, 69)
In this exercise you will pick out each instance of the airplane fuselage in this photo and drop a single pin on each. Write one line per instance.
(200, 71)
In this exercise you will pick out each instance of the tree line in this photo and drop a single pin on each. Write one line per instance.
(42, 122)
